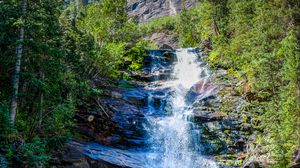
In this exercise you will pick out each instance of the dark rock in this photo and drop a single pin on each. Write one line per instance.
(206, 45)
(102, 164)
(83, 164)
(170, 57)
(121, 124)
(165, 47)
(71, 155)
(253, 164)
(135, 96)
(146, 77)
(209, 117)
(149, 77)
(113, 156)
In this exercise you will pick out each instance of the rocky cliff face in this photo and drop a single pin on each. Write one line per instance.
(145, 10)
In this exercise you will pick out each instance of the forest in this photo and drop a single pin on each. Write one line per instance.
(51, 51)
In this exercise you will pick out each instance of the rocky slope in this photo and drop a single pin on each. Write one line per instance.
(117, 118)
(145, 10)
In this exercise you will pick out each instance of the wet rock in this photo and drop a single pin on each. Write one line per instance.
(202, 86)
(165, 47)
(170, 57)
(113, 156)
(129, 121)
(157, 99)
(208, 117)
(150, 77)
(202, 90)
(135, 96)
(146, 77)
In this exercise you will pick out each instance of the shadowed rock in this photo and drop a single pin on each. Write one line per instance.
(117, 157)
(207, 117)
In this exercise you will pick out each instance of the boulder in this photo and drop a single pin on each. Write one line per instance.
(165, 47)
(70, 157)
(73, 156)
(164, 41)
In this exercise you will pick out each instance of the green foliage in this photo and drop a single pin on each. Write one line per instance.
(103, 38)
(194, 25)
(65, 47)
(46, 82)
(34, 154)
(136, 55)
(284, 108)
(167, 23)
(4, 127)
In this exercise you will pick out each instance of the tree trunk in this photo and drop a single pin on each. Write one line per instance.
(16, 77)
(76, 9)
(41, 110)
(215, 28)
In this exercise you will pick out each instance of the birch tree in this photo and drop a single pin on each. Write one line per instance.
(19, 54)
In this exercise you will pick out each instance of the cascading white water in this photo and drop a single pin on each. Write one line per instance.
(171, 137)
(173, 10)
(172, 142)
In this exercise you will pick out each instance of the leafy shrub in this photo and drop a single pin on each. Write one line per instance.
(5, 128)
(34, 154)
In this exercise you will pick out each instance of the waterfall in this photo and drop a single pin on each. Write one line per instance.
(173, 142)
(173, 10)
(170, 138)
